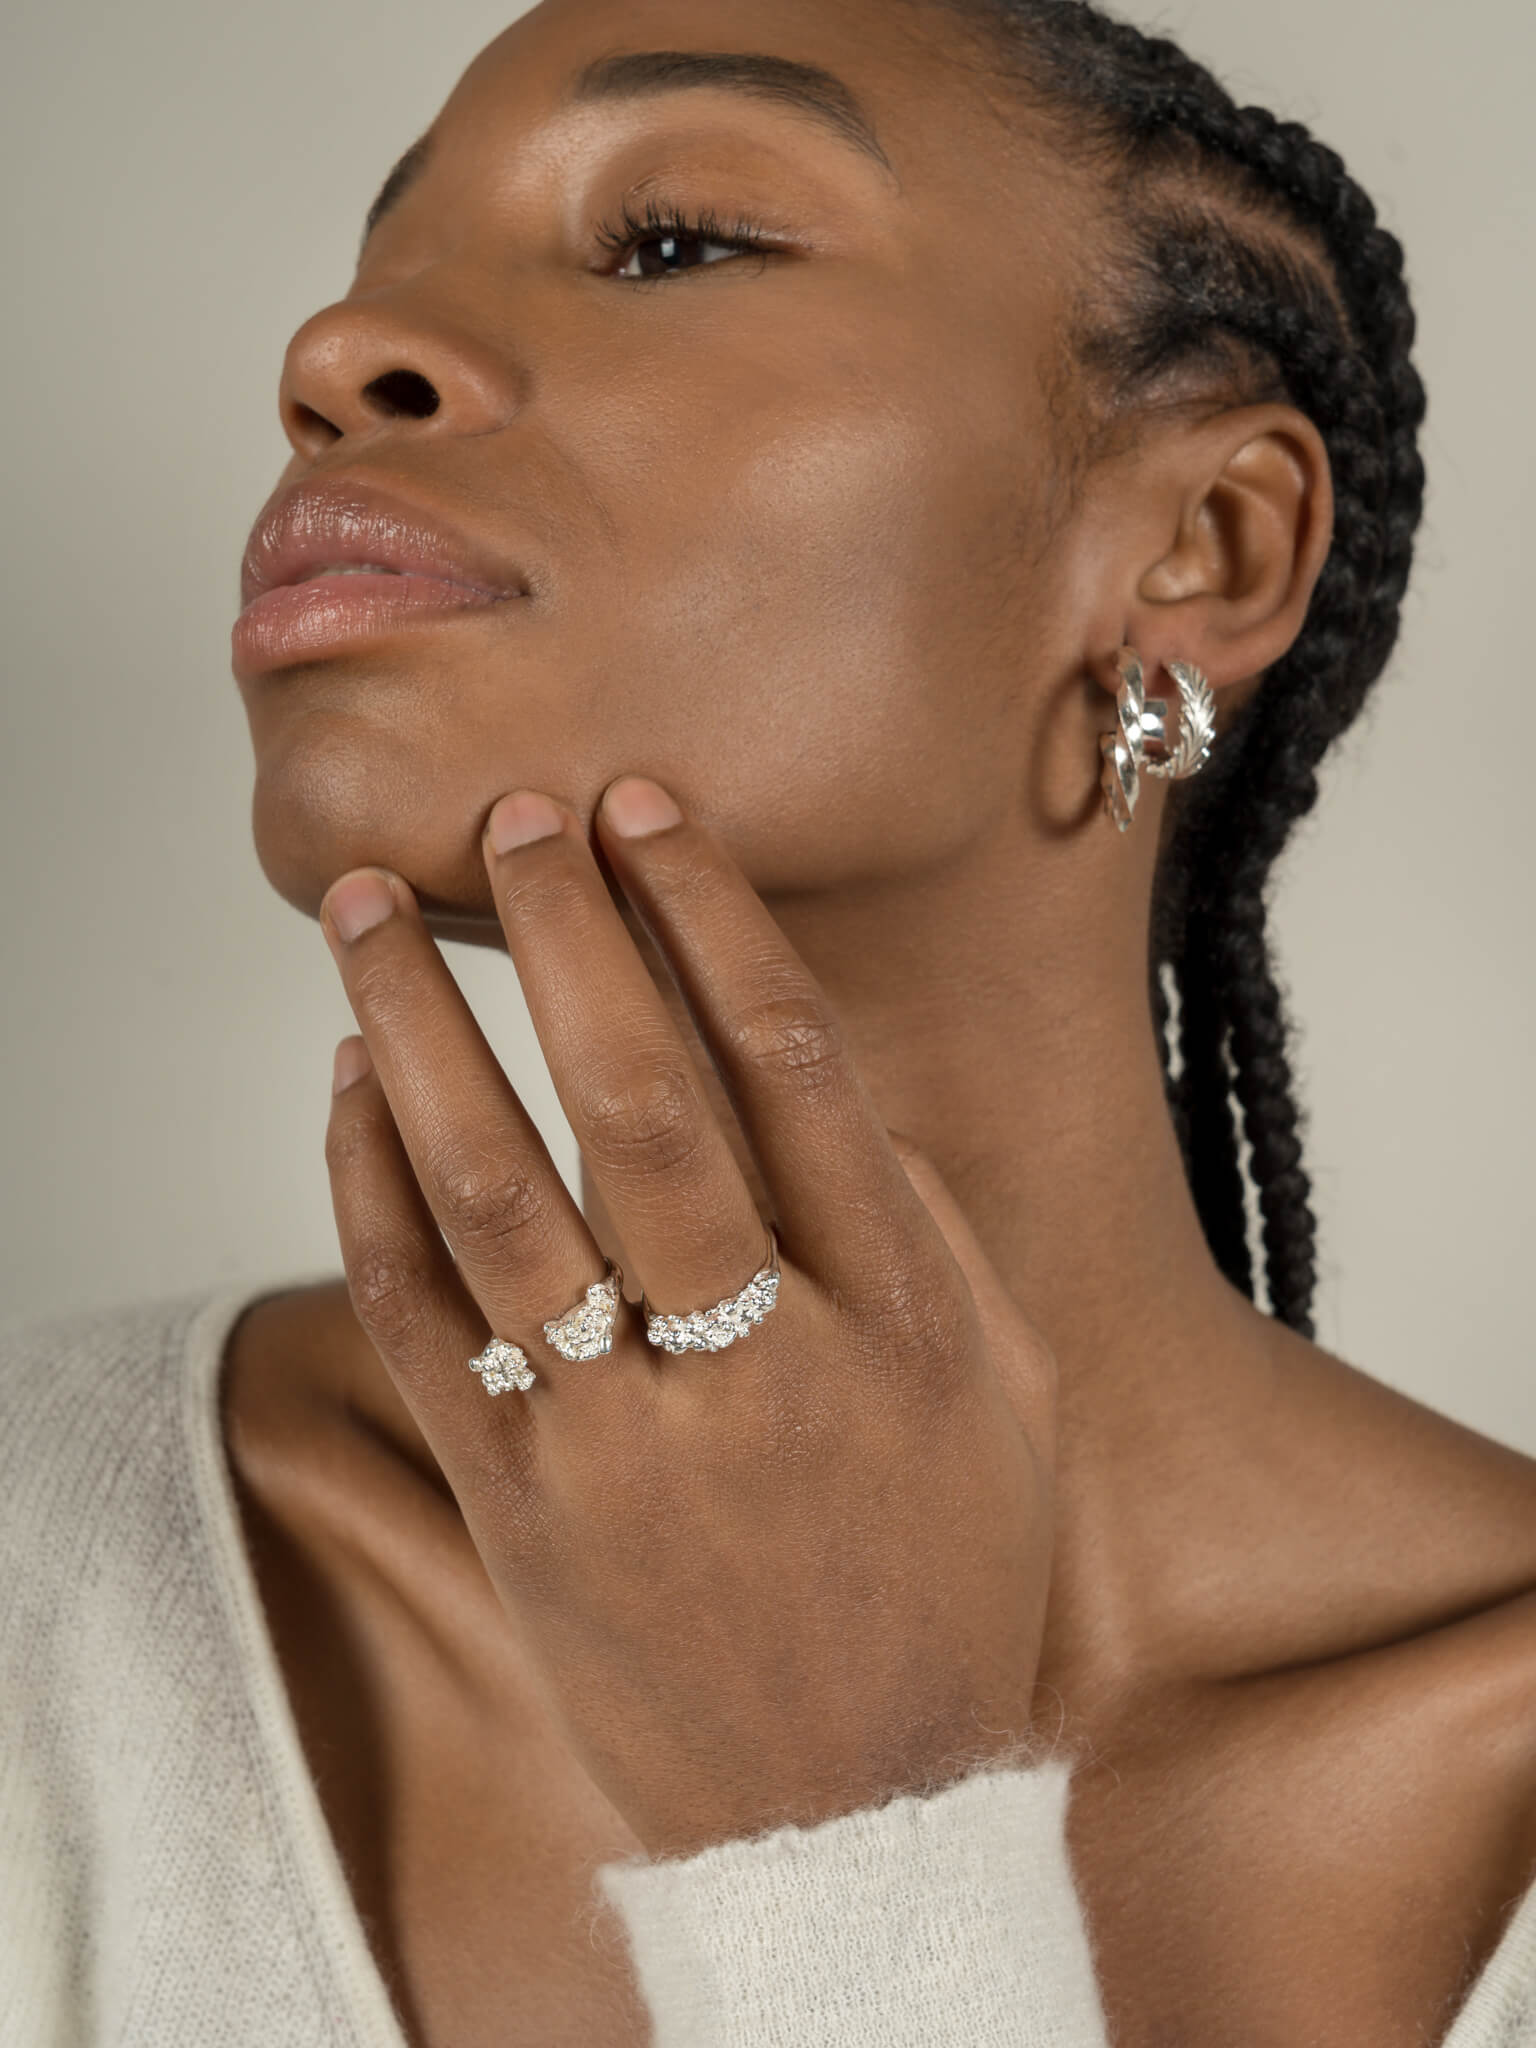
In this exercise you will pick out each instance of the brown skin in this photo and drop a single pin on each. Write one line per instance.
(799, 548)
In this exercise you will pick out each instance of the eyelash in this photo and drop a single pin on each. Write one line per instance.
(660, 222)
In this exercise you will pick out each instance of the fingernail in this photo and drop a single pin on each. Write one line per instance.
(635, 807)
(521, 818)
(358, 903)
(351, 1063)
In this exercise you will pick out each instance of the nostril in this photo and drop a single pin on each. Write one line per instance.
(402, 391)
(311, 428)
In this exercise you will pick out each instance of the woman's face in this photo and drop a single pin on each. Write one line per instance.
(783, 519)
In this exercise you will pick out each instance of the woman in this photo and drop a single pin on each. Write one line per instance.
(864, 680)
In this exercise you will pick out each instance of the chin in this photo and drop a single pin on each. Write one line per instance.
(319, 810)
(348, 783)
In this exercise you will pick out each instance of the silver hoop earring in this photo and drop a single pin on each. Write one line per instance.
(1139, 744)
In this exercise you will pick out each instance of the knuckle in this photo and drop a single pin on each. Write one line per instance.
(387, 988)
(350, 1141)
(684, 860)
(920, 1314)
(542, 892)
(490, 1206)
(646, 1116)
(696, 879)
(390, 1290)
(790, 1036)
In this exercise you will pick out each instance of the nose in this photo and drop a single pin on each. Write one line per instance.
(365, 367)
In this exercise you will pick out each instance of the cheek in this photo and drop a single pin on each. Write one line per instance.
(790, 583)
(811, 618)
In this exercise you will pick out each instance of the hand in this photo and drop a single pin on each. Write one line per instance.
(766, 1585)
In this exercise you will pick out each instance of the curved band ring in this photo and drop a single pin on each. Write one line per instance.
(583, 1331)
(717, 1328)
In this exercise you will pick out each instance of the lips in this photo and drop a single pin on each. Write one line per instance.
(333, 562)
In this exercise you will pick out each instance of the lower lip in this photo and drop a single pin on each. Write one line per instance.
(300, 621)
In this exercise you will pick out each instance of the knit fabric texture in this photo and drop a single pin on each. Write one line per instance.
(947, 1918)
(167, 1875)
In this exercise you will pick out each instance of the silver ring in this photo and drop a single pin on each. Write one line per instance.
(503, 1366)
(585, 1331)
(717, 1328)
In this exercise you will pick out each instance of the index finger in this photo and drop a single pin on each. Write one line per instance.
(838, 1191)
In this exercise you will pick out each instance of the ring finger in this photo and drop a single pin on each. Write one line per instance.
(522, 1246)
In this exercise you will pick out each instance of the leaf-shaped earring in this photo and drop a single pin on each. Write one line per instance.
(1197, 727)
(1139, 742)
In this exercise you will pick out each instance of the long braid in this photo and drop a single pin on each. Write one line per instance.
(1163, 1034)
(1211, 1160)
(1230, 845)
(1236, 227)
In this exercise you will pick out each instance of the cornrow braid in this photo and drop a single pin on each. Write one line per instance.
(1237, 231)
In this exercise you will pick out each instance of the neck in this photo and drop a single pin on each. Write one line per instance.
(1017, 1049)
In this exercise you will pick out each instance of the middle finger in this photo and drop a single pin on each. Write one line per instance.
(656, 1151)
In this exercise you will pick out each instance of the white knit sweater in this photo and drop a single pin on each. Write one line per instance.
(167, 1877)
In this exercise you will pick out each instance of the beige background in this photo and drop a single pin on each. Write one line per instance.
(184, 184)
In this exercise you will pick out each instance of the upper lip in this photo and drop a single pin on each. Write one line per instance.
(316, 522)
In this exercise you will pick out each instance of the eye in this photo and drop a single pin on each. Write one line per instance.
(664, 255)
(665, 242)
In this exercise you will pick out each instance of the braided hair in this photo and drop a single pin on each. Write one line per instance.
(1239, 241)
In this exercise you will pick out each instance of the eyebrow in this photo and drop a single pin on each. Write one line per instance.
(805, 87)
(636, 74)
(399, 182)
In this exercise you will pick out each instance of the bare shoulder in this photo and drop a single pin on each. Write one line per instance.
(1421, 1721)
(1341, 1819)
(1330, 1854)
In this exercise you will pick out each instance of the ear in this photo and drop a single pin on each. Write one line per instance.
(1244, 504)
